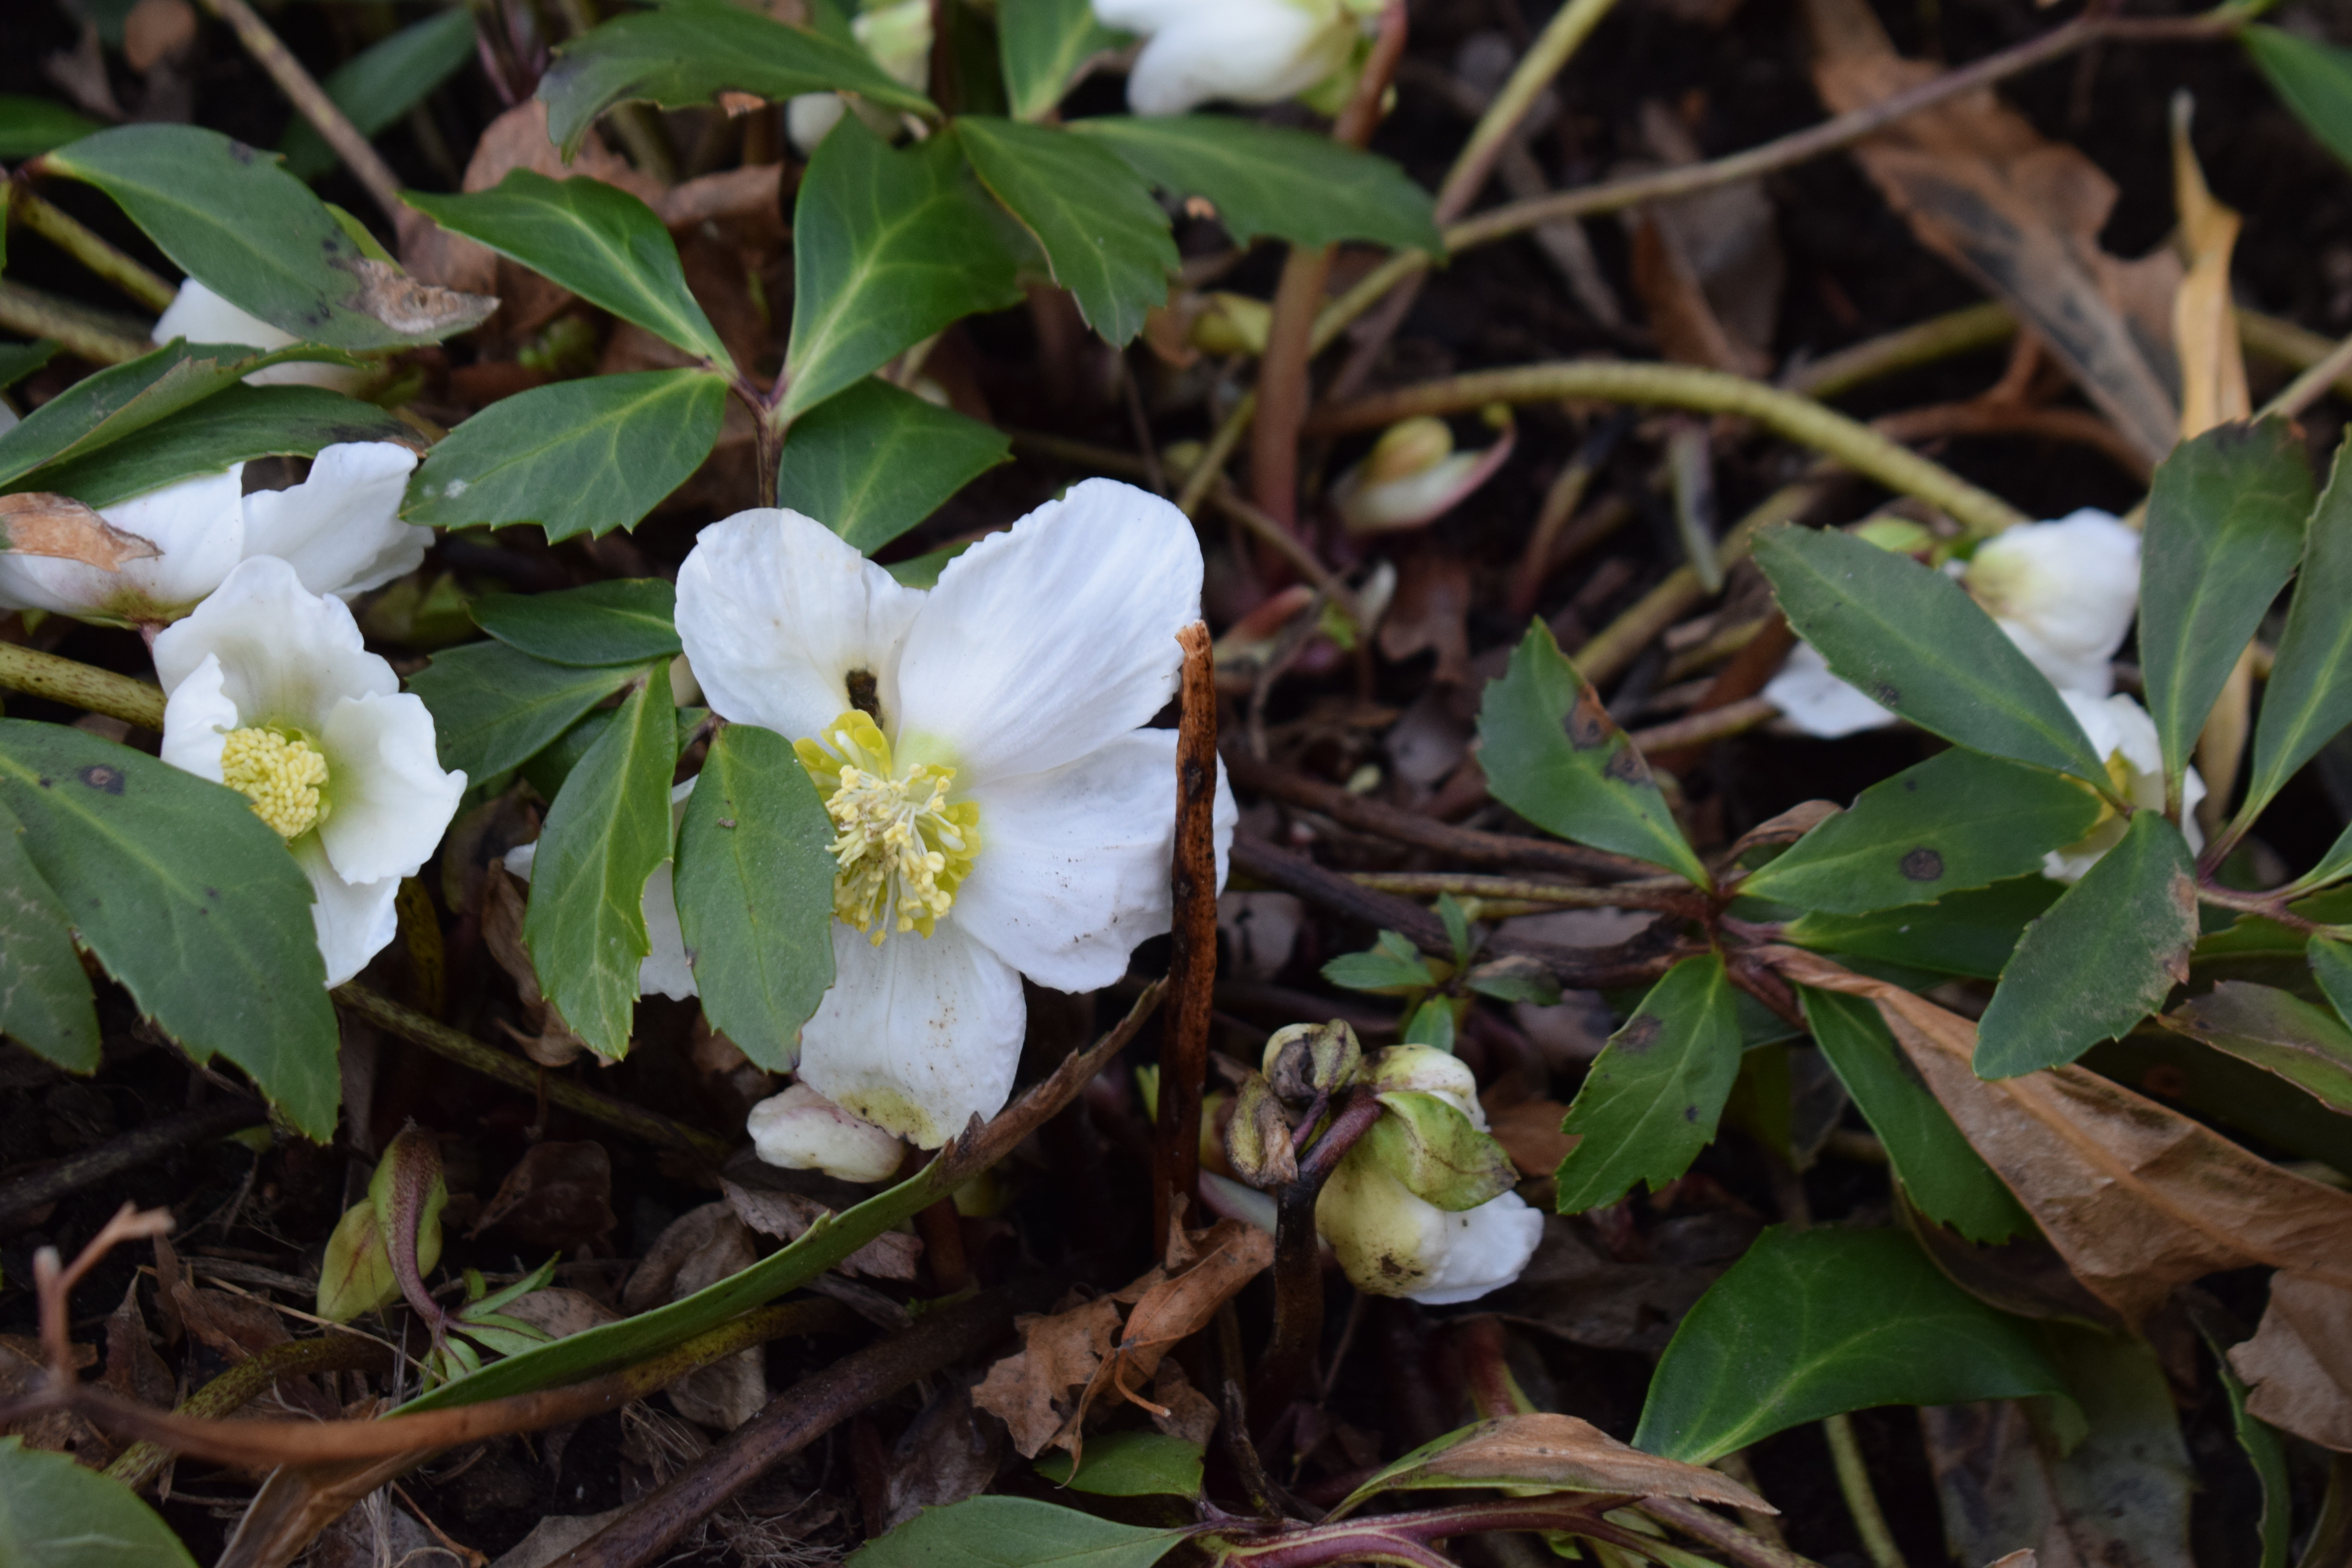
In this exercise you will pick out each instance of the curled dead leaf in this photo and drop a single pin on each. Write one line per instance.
(34, 522)
(412, 306)
(2298, 1366)
(1557, 1452)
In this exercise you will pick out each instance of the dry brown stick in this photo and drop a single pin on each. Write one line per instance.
(794, 1419)
(1192, 949)
(132, 1150)
(1714, 725)
(295, 80)
(249, 1380)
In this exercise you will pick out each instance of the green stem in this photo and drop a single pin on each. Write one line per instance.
(1854, 1480)
(69, 235)
(1568, 27)
(81, 686)
(101, 337)
(1924, 342)
(1796, 418)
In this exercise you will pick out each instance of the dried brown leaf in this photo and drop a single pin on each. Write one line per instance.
(2204, 317)
(676, 1255)
(156, 30)
(893, 1255)
(1060, 1352)
(1548, 1449)
(133, 1370)
(33, 523)
(2137, 1198)
(558, 1195)
(1529, 1133)
(2298, 1366)
(413, 305)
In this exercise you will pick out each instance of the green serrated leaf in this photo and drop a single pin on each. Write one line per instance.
(1041, 45)
(625, 621)
(1914, 641)
(494, 706)
(595, 240)
(2309, 1047)
(1947, 1180)
(189, 900)
(1392, 966)
(1959, 820)
(1553, 755)
(754, 881)
(1105, 237)
(235, 425)
(1814, 1323)
(1130, 1464)
(605, 833)
(873, 461)
(579, 456)
(2312, 78)
(383, 83)
(680, 56)
(2225, 523)
(2101, 959)
(232, 217)
(888, 247)
(2308, 697)
(1654, 1094)
(1961, 934)
(1015, 1532)
(45, 997)
(1270, 179)
(53, 1513)
(31, 126)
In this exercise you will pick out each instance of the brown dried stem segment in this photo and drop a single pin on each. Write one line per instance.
(295, 80)
(1193, 950)
(249, 1380)
(1298, 1265)
(20, 1197)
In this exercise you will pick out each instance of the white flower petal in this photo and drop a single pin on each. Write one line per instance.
(201, 316)
(287, 656)
(340, 528)
(1044, 642)
(2120, 728)
(1482, 1249)
(1252, 51)
(917, 1035)
(800, 1130)
(197, 525)
(197, 718)
(775, 612)
(389, 800)
(2065, 591)
(355, 921)
(666, 968)
(809, 117)
(1818, 702)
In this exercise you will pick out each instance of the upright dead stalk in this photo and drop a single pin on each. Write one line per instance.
(1192, 954)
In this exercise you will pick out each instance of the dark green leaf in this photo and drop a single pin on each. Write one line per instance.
(1961, 934)
(2100, 960)
(754, 883)
(2311, 78)
(1553, 755)
(1957, 821)
(235, 425)
(626, 621)
(256, 236)
(1515, 979)
(1042, 44)
(2333, 866)
(873, 461)
(1814, 1323)
(547, 770)
(923, 571)
(383, 83)
(2331, 965)
(31, 126)
(45, 1000)
(1270, 179)
(1392, 966)
(595, 240)
(1947, 1178)
(494, 707)
(1654, 1096)
(1102, 232)
(684, 55)
(579, 456)
(18, 361)
(2275, 1529)
(2308, 699)
(887, 248)
(2225, 521)
(1914, 641)
(1130, 1464)
(604, 833)
(55, 1513)
(1015, 1532)
(189, 900)
(2309, 1047)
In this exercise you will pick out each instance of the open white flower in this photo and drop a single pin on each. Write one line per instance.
(339, 529)
(271, 692)
(1002, 811)
(2124, 736)
(665, 968)
(2065, 593)
(201, 316)
(1250, 51)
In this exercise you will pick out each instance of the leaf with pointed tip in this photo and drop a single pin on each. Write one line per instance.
(1971, 933)
(235, 425)
(1016, 1532)
(2309, 1047)
(1543, 1452)
(1272, 179)
(45, 999)
(496, 707)
(2102, 958)
(873, 461)
(2308, 697)
(383, 83)
(625, 621)
(2313, 78)
(1654, 1094)
(1130, 1464)
(1105, 237)
(1042, 44)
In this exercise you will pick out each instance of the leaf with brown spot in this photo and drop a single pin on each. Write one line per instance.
(412, 307)
(2137, 1199)
(2298, 1366)
(1554, 1453)
(34, 522)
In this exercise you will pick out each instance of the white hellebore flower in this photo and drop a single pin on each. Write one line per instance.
(2125, 737)
(1251, 51)
(665, 968)
(272, 693)
(201, 316)
(339, 529)
(1001, 809)
(801, 1129)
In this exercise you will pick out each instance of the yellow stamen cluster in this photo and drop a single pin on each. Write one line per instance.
(901, 848)
(281, 775)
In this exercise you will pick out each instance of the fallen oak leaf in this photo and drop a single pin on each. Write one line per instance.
(34, 522)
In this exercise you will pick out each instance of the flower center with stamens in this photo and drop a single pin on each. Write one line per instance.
(900, 847)
(281, 775)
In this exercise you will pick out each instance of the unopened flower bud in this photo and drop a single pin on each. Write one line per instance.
(1231, 324)
(800, 1130)
(1257, 1138)
(1426, 1070)
(1392, 1243)
(1408, 447)
(1413, 476)
(357, 1275)
(1305, 1060)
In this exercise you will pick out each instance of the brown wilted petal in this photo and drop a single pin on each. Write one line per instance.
(33, 523)
(2298, 1366)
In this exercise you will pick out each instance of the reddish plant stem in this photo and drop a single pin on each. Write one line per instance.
(1298, 1264)
(1282, 370)
(1193, 950)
